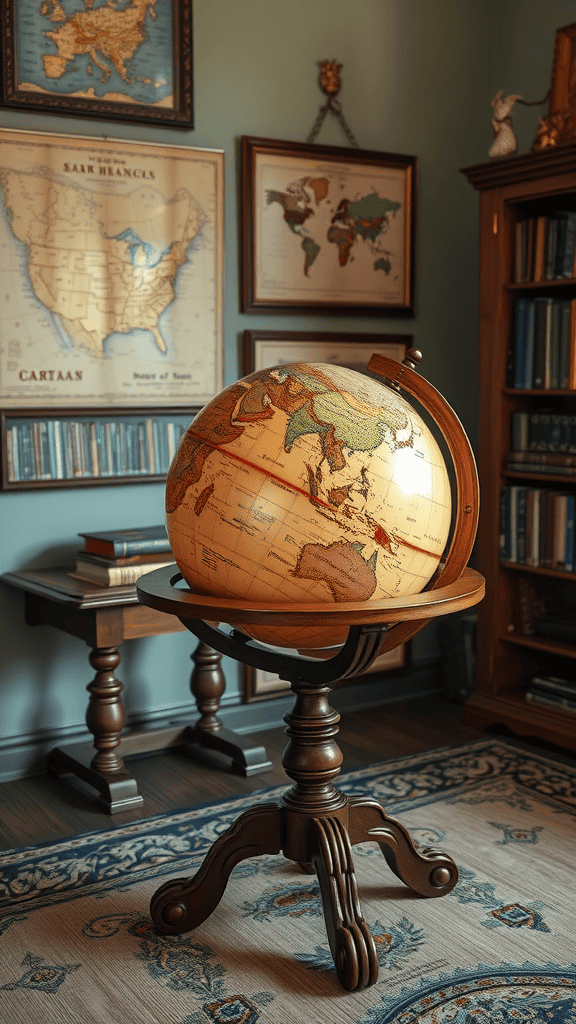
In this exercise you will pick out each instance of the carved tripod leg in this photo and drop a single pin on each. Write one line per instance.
(184, 903)
(351, 943)
(429, 872)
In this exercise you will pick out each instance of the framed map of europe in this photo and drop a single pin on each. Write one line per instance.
(110, 272)
(129, 61)
(326, 229)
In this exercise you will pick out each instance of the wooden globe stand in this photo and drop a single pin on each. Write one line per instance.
(313, 823)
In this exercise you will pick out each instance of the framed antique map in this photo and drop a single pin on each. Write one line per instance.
(129, 61)
(273, 348)
(326, 229)
(111, 272)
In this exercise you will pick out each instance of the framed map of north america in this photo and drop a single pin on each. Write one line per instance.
(110, 272)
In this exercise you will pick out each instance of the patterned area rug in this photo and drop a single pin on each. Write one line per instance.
(77, 945)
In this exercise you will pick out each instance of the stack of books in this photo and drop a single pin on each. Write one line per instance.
(552, 692)
(118, 558)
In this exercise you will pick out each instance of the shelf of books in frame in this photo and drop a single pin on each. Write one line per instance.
(526, 657)
(42, 448)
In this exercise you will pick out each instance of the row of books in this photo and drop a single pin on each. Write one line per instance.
(543, 350)
(543, 431)
(65, 449)
(552, 691)
(118, 558)
(542, 442)
(537, 527)
(545, 249)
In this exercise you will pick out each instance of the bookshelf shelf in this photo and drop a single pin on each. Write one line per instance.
(538, 570)
(46, 448)
(539, 644)
(538, 286)
(542, 393)
(541, 478)
(515, 195)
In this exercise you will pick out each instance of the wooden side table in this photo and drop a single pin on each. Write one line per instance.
(104, 618)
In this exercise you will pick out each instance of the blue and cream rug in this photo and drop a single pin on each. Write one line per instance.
(76, 942)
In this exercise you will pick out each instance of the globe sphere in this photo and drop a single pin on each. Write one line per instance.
(308, 483)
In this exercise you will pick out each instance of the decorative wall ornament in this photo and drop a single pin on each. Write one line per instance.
(330, 83)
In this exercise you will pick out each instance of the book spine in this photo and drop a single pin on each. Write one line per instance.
(505, 523)
(551, 684)
(520, 425)
(139, 547)
(570, 520)
(551, 249)
(553, 701)
(567, 265)
(150, 460)
(12, 446)
(537, 467)
(521, 525)
(519, 346)
(116, 576)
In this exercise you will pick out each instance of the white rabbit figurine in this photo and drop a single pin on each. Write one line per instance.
(505, 141)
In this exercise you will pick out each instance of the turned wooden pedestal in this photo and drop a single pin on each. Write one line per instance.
(313, 823)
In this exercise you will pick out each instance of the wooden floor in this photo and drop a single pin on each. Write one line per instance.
(40, 808)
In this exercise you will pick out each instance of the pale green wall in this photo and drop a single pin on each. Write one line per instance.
(418, 79)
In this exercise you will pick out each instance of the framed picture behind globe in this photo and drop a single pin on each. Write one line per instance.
(263, 349)
(326, 229)
(272, 348)
(260, 685)
(115, 62)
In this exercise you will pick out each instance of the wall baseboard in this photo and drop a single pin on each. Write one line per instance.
(25, 755)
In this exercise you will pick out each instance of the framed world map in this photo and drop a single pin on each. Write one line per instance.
(326, 229)
(111, 272)
(129, 61)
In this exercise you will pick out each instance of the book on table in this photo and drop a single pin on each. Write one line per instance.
(115, 544)
(111, 574)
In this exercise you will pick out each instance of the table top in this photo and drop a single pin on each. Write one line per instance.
(60, 586)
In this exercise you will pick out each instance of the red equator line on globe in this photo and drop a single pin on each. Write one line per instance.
(381, 536)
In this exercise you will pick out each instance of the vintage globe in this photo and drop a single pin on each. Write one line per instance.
(306, 483)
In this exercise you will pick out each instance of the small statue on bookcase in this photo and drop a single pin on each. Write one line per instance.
(505, 141)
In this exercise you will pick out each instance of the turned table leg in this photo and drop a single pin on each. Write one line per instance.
(105, 717)
(207, 684)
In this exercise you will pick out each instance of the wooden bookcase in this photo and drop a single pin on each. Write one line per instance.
(511, 189)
